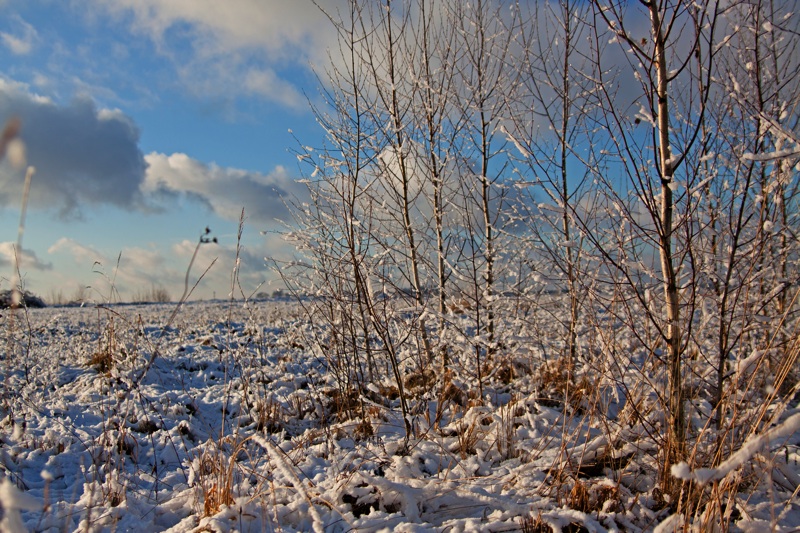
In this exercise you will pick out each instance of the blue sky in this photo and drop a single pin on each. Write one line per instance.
(148, 120)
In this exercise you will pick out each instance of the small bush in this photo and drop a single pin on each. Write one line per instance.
(27, 299)
(155, 294)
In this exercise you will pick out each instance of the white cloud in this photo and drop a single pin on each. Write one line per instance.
(13, 89)
(236, 47)
(224, 190)
(131, 270)
(278, 26)
(135, 269)
(264, 82)
(223, 79)
(251, 270)
(22, 41)
(9, 256)
(142, 259)
(80, 253)
(130, 259)
(42, 81)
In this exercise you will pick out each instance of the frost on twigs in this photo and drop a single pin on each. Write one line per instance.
(751, 447)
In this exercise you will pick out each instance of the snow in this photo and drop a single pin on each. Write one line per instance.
(13, 501)
(521, 149)
(672, 523)
(772, 156)
(551, 208)
(750, 448)
(234, 428)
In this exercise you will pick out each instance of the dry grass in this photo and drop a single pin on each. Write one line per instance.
(155, 294)
(108, 348)
(469, 434)
(534, 524)
(558, 383)
(220, 476)
(217, 474)
(268, 415)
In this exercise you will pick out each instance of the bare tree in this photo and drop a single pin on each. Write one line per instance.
(751, 191)
(550, 111)
(660, 63)
(436, 128)
(336, 232)
(484, 79)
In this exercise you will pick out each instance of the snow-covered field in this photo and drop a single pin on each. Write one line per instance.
(237, 425)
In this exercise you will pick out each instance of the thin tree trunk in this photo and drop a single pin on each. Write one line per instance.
(405, 182)
(565, 116)
(677, 416)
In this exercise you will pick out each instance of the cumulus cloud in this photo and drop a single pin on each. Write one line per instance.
(224, 190)
(86, 156)
(83, 155)
(9, 256)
